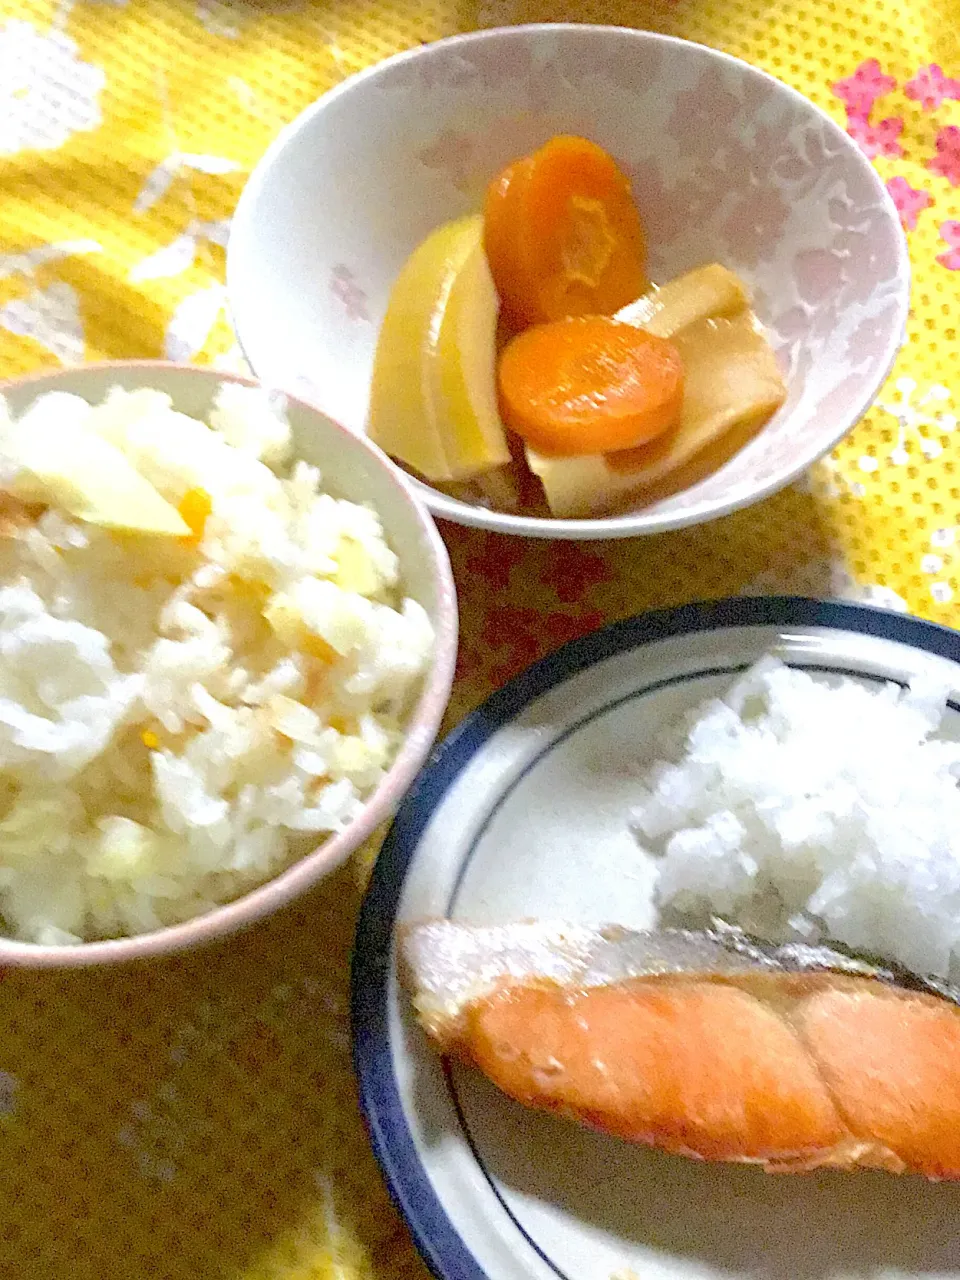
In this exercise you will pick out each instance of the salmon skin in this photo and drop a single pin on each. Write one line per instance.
(707, 1044)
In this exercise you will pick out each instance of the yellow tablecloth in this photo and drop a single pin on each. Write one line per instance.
(197, 1119)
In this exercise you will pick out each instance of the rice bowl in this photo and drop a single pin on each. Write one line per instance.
(186, 713)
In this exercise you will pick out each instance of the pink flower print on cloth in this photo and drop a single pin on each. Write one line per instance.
(946, 162)
(950, 234)
(881, 139)
(860, 91)
(910, 201)
(930, 87)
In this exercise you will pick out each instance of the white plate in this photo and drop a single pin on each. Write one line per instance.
(522, 812)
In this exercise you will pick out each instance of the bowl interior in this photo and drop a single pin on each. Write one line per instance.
(727, 164)
(352, 469)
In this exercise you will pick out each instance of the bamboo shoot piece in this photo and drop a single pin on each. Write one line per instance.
(433, 402)
(732, 386)
(703, 294)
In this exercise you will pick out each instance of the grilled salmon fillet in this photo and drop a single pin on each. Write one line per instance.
(708, 1045)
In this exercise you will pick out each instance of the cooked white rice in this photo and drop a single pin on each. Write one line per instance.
(181, 717)
(803, 807)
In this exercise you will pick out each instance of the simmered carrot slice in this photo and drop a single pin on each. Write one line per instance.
(563, 235)
(589, 384)
(502, 211)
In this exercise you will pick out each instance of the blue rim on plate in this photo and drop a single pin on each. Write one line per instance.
(433, 1233)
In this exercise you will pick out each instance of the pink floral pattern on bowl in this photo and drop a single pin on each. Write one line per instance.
(727, 165)
(349, 293)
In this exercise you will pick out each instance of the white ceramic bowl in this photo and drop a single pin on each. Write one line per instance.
(352, 468)
(727, 163)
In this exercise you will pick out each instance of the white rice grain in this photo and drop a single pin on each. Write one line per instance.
(815, 808)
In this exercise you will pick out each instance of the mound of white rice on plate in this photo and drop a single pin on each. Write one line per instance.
(205, 660)
(813, 808)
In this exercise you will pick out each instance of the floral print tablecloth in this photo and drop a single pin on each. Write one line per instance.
(197, 1119)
